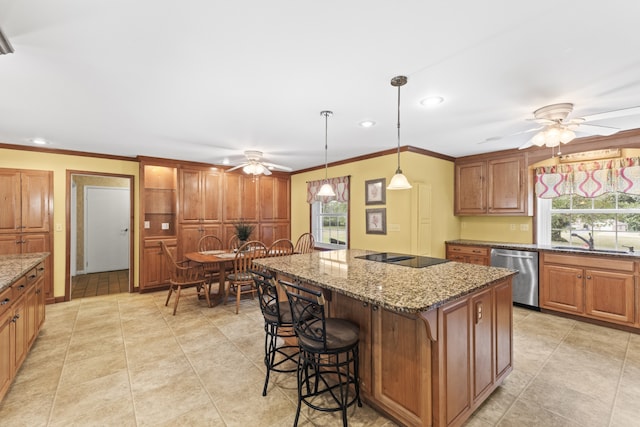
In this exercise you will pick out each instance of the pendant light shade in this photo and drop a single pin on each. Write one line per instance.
(399, 181)
(326, 190)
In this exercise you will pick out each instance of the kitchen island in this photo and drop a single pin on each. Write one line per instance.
(434, 341)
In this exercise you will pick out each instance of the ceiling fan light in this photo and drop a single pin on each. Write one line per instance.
(399, 182)
(552, 137)
(567, 135)
(326, 190)
(539, 139)
(253, 169)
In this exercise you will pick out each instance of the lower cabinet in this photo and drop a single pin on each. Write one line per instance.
(155, 272)
(470, 254)
(594, 287)
(21, 315)
(437, 367)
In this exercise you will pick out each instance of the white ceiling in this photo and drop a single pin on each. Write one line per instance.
(203, 79)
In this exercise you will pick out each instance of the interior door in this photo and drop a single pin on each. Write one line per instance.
(107, 213)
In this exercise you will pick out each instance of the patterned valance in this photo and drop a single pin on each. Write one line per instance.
(591, 179)
(340, 187)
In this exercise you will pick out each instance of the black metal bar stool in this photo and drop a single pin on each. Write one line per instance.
(278, 325)
(328, 359)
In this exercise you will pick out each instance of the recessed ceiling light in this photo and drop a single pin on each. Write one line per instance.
(39, 141)
(225, 161)
(367, 123)
(432, 101)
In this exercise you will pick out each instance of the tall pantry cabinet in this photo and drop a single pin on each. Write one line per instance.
(26, 210)
(182, 202)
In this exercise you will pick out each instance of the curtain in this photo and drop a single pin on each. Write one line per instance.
(340, 187)
(591, 179)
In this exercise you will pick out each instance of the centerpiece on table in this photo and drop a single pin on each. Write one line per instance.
(243, 231)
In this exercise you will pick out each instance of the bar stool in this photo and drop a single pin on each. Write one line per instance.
(328, 359)
(278, 324)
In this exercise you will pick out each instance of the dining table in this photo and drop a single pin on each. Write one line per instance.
(223, 258)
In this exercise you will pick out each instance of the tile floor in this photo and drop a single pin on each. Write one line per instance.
(124, 360)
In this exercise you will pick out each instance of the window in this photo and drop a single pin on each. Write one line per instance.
(613, 219)
(330, 224)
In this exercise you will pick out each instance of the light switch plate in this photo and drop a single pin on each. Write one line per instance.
(165, 225)
(147, 224)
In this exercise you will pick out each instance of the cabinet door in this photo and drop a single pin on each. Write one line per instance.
(10, 244)
(274, 198)
(31, 319)
(41, 301)
(10, 209)
(20, 319)
(506, 186)
(240, 197)
(483, 354)
(190, 191)
(610, 296)
(190, 235)
(359, 313)
(7, 343)
(470, 189)
(35, 201)
(503, 306)
(211, 191)
(271, 232)
(155, 272)
(561, 288)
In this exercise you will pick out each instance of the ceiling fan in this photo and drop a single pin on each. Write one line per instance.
(255, 166)
(555, 128)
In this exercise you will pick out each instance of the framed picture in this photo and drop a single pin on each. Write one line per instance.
(376, 221)
(375, 191)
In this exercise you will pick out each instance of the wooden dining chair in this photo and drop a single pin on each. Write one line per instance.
(241, 280)
(281, 247)
(181, 276)
(209, 242)
(305, 244)
(234, 243)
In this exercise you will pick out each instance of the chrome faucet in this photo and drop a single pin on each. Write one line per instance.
(588, 242)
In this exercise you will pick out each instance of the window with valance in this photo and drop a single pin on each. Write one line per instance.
(330, 215)
(340, 187)
(589, 179)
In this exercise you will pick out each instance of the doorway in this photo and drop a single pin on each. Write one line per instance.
(99, 234)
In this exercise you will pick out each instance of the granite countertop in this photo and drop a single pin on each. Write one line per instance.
(14, 266)
(394, 287)
(546, 248)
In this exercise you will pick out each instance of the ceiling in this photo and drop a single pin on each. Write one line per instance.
(205, 80)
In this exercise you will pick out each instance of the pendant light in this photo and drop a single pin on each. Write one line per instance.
(326, 190)
(399, 181)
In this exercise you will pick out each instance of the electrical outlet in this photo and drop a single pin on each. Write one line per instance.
(524, 227)
(147, 224)
(165, 225)
(58, 227)
(394, 227)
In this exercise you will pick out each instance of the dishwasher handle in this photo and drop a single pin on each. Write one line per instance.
(513, 256)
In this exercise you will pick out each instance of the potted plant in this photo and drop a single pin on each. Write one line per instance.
(243, 230)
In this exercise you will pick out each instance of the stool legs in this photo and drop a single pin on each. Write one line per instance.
(271, 350)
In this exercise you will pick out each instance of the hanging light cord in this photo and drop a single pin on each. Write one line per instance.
(398, 170)
(326, 130)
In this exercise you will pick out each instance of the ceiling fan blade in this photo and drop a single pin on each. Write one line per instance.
(613, 114)
(273, 165)
(497, 138)
(241, 165)
(527, 144)
(266, 171)
(597, 130)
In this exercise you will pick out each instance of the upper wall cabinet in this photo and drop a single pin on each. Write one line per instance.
(274, 198)
(498, 186)
(241, 197)
(200, 195)
(25, 201)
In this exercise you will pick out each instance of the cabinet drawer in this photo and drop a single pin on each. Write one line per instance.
(19, 288)
(468, 250)
(6, 299)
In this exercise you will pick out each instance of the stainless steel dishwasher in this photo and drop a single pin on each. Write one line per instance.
(525, 283)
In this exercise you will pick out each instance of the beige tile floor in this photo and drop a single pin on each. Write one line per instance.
(124, 360)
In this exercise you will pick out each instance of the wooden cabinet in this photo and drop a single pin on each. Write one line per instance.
(190, 235)
(21, 316)
(272, 231)
(200, 193)
(498, 186)
(437, 367)
(155, 273)
(480, 255)
(274, 198)
(240, 197)
(26, 211)
(601, 288)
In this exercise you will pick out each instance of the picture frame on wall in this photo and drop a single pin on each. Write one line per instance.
(376, 221)
(375, 191)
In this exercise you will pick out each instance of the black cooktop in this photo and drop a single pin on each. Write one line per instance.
(414, 261)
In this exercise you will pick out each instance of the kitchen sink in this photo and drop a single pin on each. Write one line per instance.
(597, 251)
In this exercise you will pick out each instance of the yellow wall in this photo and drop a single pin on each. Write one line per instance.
(400, 205)
(514, 229)
(59, 164)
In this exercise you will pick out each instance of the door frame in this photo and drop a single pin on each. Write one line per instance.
(68, 204)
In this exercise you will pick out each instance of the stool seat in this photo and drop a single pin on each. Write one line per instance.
(341, 335)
